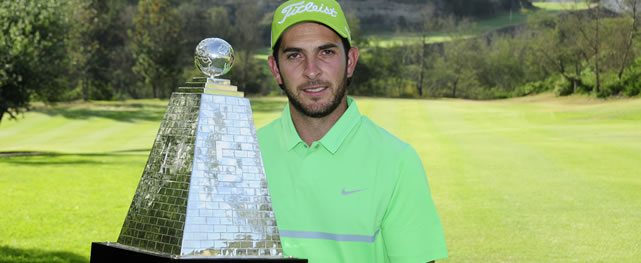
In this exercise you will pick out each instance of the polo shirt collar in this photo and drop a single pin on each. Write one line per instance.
(334, 137)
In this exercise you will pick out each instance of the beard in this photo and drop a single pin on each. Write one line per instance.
(323, 110)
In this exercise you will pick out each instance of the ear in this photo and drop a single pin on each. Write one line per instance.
(273, 67)
(352, 59)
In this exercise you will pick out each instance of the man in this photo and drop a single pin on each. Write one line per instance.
(343, 189)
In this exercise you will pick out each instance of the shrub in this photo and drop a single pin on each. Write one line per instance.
(533, 88)
(611, 86)
(632, 85)
(631, 81)
(562, 87)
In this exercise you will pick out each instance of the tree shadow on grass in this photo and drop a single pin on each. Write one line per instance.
(131, 112)
(53, 158)
(19, 255)
(118, 111)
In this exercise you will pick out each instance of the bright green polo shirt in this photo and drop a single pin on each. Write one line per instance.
(357, 195)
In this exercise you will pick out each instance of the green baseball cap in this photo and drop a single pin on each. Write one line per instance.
(326, 12)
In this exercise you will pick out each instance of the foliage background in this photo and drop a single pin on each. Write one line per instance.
(56, 50)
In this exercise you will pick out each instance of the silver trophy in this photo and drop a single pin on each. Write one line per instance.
(203, 193)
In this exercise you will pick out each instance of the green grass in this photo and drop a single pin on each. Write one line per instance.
(562, 6)
(403, 39)
(521, 180)
(549, 180)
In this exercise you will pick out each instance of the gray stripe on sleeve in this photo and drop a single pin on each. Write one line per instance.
(329, 236)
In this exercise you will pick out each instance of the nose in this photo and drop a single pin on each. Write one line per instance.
(312, 71)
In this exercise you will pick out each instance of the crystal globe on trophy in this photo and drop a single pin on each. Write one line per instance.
(214, 57)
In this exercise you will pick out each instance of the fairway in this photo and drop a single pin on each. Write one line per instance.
(535, 179)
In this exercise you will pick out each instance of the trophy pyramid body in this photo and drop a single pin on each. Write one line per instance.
(203, 193)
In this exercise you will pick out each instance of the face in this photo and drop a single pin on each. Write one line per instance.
(312, 68)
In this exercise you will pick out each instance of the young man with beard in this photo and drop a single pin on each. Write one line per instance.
(343, 189)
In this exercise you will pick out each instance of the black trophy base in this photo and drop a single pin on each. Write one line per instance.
(102, 252)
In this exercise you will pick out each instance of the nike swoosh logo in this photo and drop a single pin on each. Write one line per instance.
(346, 192)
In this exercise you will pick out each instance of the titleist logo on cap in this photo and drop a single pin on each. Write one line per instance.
(302, 7)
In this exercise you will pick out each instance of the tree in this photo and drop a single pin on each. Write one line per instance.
(427, 24)
(197, 19)
(83, 44)
(456, 69)
(99, 49)
(556, 44)
(631, 9)
(156, 44)
(504, 63)
(355, 28)
(114, 60)
(220, 23)
(592, 37)
(246, 39)
(379, 71)
(32, 54)
(99, 39)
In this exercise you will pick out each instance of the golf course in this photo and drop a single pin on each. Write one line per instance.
(533, 179)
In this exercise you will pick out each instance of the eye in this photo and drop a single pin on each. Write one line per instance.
(293, 55)
(328, 52)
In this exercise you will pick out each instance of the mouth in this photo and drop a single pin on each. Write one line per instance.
(316, 89)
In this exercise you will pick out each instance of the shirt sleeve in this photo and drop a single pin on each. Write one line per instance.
(411, 228)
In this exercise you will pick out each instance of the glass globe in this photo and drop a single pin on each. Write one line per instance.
(214, 57)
